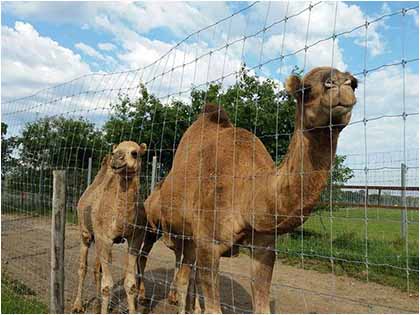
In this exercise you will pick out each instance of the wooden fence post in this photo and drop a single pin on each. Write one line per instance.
(58, 226)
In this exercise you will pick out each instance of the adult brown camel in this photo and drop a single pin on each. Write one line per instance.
(108, 212)
(224, 188)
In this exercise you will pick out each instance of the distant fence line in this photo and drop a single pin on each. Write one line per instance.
(374, 200)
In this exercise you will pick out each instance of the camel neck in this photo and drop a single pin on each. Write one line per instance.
(304, 171)
(127, 184)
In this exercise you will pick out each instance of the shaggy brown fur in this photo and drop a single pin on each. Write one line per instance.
(224, 189)
(109, 212)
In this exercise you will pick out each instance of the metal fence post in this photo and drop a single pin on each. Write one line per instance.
(154, 166)
(58, 225)
(89, 174)
(403, 201)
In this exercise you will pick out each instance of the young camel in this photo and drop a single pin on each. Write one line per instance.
(224, 188)
(108, 213)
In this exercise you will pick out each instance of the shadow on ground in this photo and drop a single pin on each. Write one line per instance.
(234, 298)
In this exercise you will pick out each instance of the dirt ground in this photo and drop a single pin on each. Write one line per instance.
(26, 256)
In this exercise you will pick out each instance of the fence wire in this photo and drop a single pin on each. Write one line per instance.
(360, 239)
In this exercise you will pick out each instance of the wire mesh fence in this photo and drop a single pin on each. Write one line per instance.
(358, 249)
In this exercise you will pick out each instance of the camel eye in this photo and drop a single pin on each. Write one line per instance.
(134, 154)
(354, 84)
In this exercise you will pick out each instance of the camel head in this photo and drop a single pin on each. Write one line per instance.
(323, 91)
(125, 158)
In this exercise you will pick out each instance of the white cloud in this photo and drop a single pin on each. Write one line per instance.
(324, 19)
(107, 63)
(180, 17)
(31, 61)
(86, 49)
(106, 46)
(415, 15)
(384, 108)
(160, 78)
(55, 12)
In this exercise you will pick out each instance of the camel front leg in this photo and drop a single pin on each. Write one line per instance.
(183, 275)
(263, 259)
(130, 283)
(135, 243)
(208, 259)
(97, 274)
(105, 257)
(84, 249)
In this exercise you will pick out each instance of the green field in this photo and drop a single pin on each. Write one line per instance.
(17, 298)
(367, 246)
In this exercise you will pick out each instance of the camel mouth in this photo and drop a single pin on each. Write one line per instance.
(123, 169)
(117, 168)
(341, 109)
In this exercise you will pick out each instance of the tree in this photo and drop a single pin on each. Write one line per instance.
(147, 120)
(53, 143)
(8, 145)
(257, 105)
(340, 174)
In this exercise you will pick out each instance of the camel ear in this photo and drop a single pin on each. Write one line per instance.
(293, 84)
(114, 146)
(143, 148)
(105, 159)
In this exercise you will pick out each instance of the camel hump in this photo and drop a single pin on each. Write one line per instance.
(216, 114)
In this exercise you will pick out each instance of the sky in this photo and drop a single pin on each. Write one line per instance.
(47, 43)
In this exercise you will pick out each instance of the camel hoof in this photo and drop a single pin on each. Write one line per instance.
(97, 306)
(141, 295)
(77, 308)
(172, 297)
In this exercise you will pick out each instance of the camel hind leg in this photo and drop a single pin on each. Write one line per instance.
(149, 241)
(84, 250)
(172, 295)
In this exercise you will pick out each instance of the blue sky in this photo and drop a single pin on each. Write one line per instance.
(47, 43)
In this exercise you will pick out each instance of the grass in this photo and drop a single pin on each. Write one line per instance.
(17, 298)
(363, 245)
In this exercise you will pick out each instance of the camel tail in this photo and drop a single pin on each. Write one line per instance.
(216, 114)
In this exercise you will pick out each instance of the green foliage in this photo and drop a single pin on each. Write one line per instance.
(59, 142)
(53, 143)
(256, 105)
(340, 175)
(8, 144)
(147, 120)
